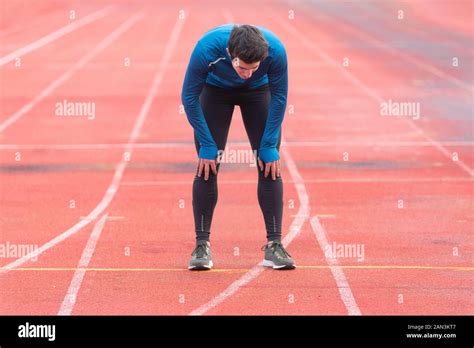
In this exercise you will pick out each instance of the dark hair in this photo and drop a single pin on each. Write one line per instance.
(246, 42)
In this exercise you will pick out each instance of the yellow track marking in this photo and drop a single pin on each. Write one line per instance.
(238, 270)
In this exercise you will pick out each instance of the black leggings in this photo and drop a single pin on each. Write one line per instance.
(218, 106)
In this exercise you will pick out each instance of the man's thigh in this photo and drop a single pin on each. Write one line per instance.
(255, 106)
(218, 109)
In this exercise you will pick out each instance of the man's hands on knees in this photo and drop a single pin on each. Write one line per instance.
(206, 164)
(273, 167)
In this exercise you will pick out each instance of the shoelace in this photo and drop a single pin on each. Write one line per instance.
(278, 249)
(200, 250)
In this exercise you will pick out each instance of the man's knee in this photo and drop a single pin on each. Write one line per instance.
(261, 176)
(212, 177)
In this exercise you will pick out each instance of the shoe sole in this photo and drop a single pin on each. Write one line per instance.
(201, 267)
(268, 263)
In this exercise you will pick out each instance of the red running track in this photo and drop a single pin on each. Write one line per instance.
(108, 200)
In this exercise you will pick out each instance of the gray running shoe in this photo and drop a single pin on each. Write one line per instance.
(277, 257)
(201, 257)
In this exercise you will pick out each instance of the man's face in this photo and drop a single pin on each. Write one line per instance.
(244, 70)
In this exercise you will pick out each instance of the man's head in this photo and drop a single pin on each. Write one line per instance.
(247, 48)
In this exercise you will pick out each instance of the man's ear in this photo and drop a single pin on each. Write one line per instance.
(228, 52)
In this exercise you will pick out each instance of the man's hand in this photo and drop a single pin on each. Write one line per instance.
(274, 167)
(205, 164)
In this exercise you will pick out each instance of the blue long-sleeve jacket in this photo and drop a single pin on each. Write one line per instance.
(210, 63)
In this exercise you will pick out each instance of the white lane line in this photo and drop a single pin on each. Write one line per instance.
(343, 286)
(110, 218)
(326, 216)
(92, 146)
(307, 181)
(166, 145)
(76, 282)
(56, 35)
(114, 185)
(295, 229)
(73, 69)
(406, 57)
(368, 90)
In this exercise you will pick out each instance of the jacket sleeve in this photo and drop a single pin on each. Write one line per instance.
(278, 83)
(194, 80)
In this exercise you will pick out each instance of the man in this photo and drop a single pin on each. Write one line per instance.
(246, 66)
